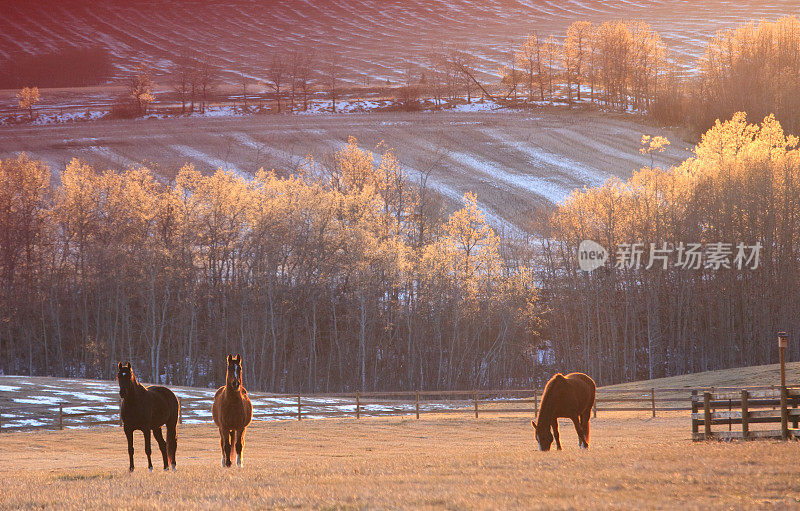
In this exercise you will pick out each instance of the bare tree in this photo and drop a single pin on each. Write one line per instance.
(207, 80)
(277, 73)
(183, 70)
(331, 79)
(244, 83)
(576, 55)
(530, 57)
(552, 57)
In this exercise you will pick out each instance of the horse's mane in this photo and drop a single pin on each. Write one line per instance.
(548, 396)
(136, 384)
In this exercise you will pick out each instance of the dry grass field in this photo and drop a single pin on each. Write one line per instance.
(434, 463)
(753, 376)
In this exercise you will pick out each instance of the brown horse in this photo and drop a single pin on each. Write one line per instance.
(571, 397)
(232, 411)
(147, 409)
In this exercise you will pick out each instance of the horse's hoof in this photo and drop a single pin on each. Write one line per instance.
(130, 469)
(150, 469)
(173, 468)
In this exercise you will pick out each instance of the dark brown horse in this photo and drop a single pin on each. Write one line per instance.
(571, 397)
(147, 409)
(232, 411)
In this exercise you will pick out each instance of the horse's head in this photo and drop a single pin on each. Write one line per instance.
(543, 435)
(125, 378)
(234, 377)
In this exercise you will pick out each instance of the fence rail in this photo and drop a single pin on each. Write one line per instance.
(416, 404)
(745, 407)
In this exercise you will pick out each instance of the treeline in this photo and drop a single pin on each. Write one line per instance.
(630, 322)
(618, 64)
(347, 276)
(343, 277)
(753, 68)
(68, 67)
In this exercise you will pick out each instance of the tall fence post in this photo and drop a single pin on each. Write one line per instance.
(745, 416)
(60, 416)
(707, 414)
(653, 399)
(299, 409)
(784, 414)
(695, 422)
(475, 400)
(536, 402)
(594, 408)
(416, 402)
(358, 405)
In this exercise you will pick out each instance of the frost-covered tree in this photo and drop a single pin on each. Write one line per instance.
(27, 97)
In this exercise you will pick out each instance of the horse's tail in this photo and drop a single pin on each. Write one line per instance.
(586, 433)
(172, 430)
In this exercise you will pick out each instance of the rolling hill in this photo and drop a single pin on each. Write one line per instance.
(516, 162)
(371, 41)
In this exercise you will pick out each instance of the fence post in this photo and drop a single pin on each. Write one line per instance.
(358, 405)
(784, 414)
(594, 408)
(417, 404)
(180, 412)
(536, 402)
(707, 414)
(299, 410)
(745, 416)
(475, 399)
(60, 416)
(695, 422)
(653, 399)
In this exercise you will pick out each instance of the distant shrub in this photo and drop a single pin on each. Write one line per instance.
(123, 108)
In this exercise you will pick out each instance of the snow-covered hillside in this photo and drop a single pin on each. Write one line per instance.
(34, 402)
(372, 41)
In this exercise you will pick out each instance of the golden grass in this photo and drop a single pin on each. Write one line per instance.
(435, 463)
(737, 377)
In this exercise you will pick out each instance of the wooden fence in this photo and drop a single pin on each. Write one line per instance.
(743, 408)
(476, 403)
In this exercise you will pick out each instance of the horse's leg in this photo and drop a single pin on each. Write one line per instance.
(162, 446)
(129, 436)
(231, 440)
(239, 446)
(222, 435)
(172, 442)
(226, 447)
(555, 434)
(585, 421)
(147, 450)
(579, 429)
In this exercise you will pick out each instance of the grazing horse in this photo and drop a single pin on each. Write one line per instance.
(232, 411)
(571, 397)
(147, 409)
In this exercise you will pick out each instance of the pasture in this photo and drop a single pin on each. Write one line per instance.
(393, 463)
